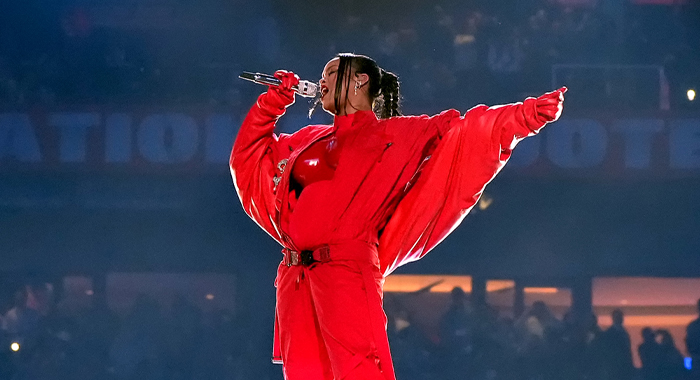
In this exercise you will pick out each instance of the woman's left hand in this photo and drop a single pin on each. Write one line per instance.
(550, 105)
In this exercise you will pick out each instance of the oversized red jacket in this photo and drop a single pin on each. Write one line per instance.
(406, 182)
(450, 159)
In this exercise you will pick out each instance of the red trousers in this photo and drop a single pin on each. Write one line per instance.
(330, 320)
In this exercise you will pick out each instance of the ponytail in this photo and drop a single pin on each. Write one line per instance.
(389, 91)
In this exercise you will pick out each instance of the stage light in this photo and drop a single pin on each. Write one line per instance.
(541, 290)
(210, 297)
(89, 292)
(14, 346)
(691, 94)
(688, 363)
(484, 202)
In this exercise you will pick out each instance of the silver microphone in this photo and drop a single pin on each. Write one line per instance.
(304, 88)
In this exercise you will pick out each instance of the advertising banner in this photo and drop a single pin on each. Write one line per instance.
(155, 141)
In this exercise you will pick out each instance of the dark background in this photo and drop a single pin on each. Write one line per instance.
(548, 226)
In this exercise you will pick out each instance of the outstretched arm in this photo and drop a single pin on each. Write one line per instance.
(472, 151)
(503, 125)
(256, 150)
(509, 124)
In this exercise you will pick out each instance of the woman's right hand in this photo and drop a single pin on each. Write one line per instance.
(282, 96)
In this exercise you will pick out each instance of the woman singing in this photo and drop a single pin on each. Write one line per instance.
(352, 201)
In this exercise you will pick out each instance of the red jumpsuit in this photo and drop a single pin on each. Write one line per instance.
(396, 188)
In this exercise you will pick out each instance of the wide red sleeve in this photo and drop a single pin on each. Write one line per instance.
(473, 149)
(253, 163)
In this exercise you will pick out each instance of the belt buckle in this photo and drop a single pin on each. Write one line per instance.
(306, 258)
(294, 258)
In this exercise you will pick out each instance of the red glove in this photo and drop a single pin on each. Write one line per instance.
(550, 105)
(278, 98)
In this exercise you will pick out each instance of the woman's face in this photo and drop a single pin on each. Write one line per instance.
(349, 102)
(328, 80)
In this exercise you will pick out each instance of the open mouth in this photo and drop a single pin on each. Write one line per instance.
(324, 91)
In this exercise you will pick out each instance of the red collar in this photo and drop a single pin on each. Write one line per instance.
(348, 121)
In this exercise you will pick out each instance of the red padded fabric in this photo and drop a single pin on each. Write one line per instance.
(414, 178)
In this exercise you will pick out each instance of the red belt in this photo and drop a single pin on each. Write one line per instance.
(306, 257)
(328, 252)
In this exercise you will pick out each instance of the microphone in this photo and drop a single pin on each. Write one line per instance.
(305, 88)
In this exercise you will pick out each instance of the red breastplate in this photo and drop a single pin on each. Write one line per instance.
(317, 162)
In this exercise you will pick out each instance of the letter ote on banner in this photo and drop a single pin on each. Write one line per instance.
(638, 135)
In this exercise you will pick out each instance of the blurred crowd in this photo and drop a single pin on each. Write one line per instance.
(475, 343)
(447, 53)
(50, 340)
(460, 53)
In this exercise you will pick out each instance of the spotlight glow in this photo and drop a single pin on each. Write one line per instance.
(541, 290)
(484, 202)
(691, 94)
(14, 346)
(210, 297)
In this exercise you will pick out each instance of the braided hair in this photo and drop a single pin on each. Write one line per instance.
(389, 91)
(383, 85)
